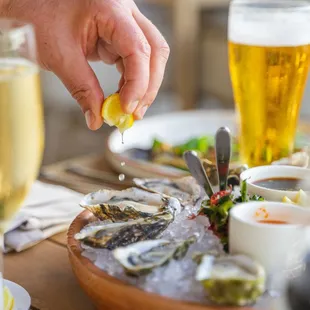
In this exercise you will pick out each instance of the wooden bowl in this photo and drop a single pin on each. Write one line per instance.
(107, 292)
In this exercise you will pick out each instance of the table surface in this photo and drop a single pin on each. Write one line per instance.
(44, 270)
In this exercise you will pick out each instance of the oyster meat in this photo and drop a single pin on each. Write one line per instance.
(112, 235)
(234, 280)
(129, 204)
(142, 257)
(186, 189)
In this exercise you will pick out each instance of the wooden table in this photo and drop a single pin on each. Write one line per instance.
(44, 270)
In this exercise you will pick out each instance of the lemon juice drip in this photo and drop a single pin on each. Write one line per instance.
(121, 177)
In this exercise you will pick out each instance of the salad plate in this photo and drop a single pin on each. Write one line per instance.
(173, 128)
(154, 146)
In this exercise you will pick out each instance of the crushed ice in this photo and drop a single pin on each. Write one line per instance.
(177, 279)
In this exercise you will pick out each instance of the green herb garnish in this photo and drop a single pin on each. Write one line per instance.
(217, 209)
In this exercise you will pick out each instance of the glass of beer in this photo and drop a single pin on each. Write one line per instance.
(21, 121)
(269, 53)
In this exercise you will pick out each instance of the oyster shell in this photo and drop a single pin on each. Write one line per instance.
(234, 280)
(112, 235)
(186, 189)
(132, 203)
(142, 257)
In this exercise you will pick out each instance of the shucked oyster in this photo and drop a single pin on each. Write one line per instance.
(132, 203)
(231, 280)
(185, 189)
(113, 235)
(141, 257)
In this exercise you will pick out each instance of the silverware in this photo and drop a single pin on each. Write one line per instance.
(222, 153)
(198, 172)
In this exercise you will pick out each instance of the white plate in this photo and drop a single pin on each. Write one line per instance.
(172, 128)
(22, 300)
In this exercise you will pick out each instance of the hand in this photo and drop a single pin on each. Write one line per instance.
(70, 32)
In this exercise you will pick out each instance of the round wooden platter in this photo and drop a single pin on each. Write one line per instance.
(107, 292)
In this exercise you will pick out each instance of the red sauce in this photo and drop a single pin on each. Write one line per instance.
(273, 222)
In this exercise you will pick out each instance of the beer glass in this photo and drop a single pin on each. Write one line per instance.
(21, 121)
(269, 52)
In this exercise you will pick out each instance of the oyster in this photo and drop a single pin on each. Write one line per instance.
(132, 203)
(140, 258)
(186, 189)
(234, 280)
(112, 235)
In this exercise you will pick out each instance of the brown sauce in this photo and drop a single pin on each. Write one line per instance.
(283, 184)
(273, 222)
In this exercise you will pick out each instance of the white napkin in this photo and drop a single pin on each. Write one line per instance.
(47, 210)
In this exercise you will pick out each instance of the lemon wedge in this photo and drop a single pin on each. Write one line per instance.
(113, 114)
(287, 200)
(8, 299)
(302, 199)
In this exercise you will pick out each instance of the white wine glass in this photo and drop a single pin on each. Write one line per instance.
(21, 121)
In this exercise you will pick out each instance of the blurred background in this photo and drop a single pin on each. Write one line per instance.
(197, 76)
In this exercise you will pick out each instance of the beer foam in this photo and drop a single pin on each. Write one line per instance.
(262, 27)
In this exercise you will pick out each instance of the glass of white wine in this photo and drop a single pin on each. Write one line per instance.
(21, 121)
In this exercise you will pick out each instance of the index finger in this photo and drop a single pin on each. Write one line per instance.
(128, 40)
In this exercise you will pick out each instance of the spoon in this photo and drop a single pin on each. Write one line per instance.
(198, 172)
(222, 153)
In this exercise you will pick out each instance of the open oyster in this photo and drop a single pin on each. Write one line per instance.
(234, 280)
(186, 189)
(132, 203)
(141, 257)
(112, 235)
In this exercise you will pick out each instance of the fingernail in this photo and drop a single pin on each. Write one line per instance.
(142, 111)
(90, 118)
(132, 106)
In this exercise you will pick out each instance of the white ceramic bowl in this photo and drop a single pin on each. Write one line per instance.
(253, 175)
(276, 246)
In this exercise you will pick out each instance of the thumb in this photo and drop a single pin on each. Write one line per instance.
(83, 85)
